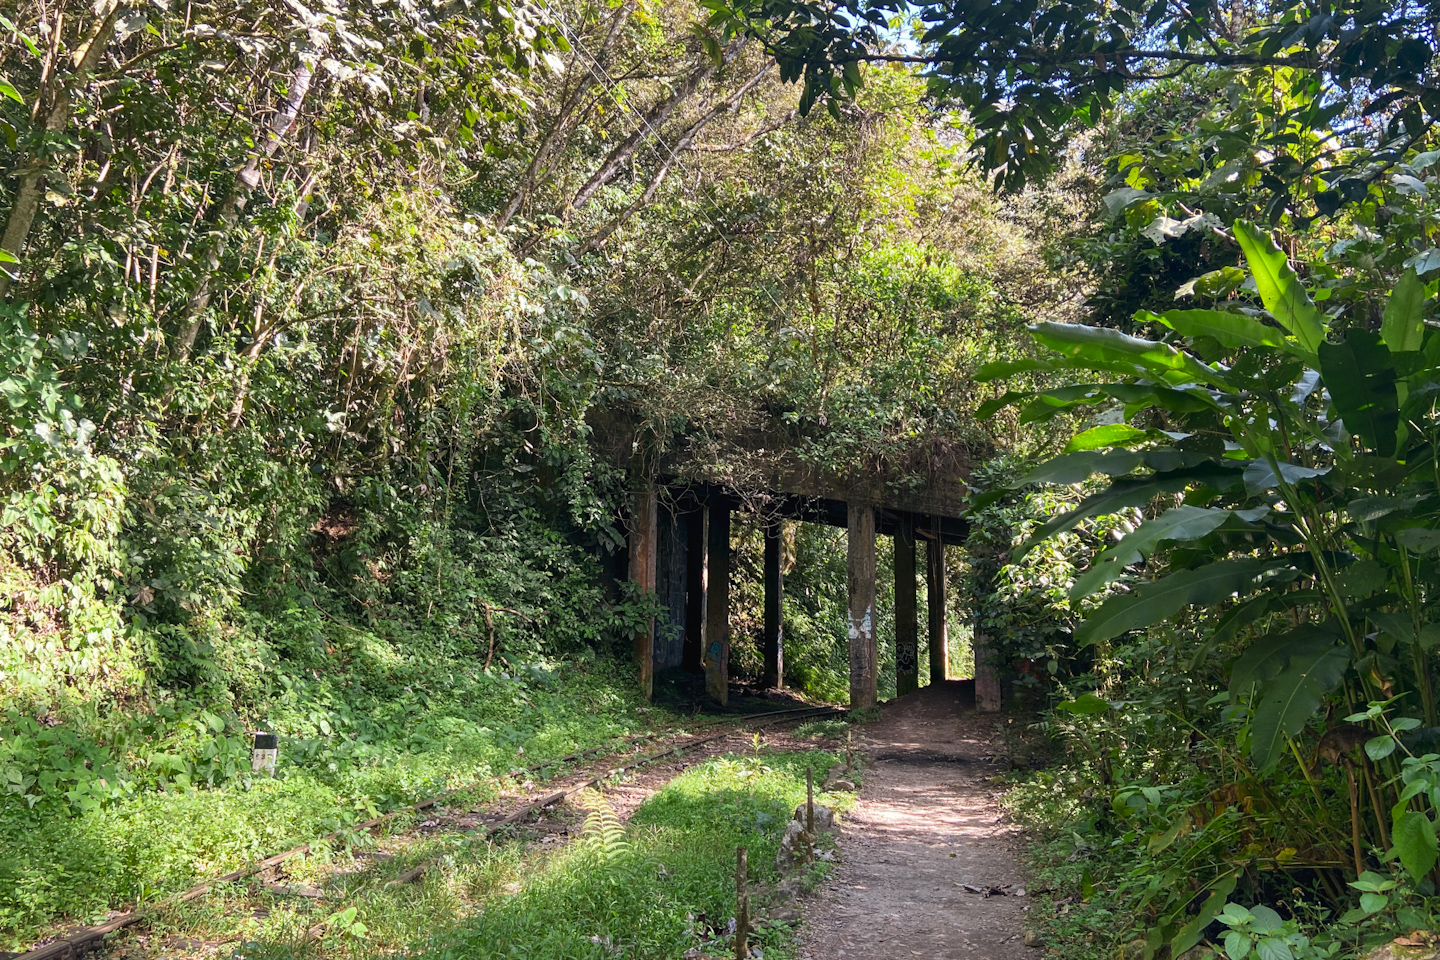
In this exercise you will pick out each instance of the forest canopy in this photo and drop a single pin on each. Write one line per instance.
(309, 315)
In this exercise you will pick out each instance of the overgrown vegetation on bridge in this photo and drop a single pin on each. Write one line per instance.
(305, 308)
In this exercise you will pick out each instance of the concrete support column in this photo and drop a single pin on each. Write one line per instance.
(644, 524)
(695, 527)
(774, 628)
(935, 595)
(861, 584)
(907, 655)
(716, 657)
(987, 675)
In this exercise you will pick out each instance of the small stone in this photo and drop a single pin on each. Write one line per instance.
(784, 915)
(840, 786)
(1032, 939)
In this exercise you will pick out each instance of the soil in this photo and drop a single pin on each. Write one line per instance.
(927, 824)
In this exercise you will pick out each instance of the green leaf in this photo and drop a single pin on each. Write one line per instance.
(1373, 902)
(1314, 667)
(1237, 945)
(1418, 539)
(1403, 329)
(1273, 948)
(1177, 523)
(1157, 601)
(1105, 346)
(1109, 435)
(1266, 919)
(1127, 492)
(7, 89)
(994, 405)
(1361, 379)
(1260, 475)
(1084, 705)
(1190, 934)
(1280, 289)
(1075, 467)
(1415, 845)
(1232, 330)
(1378, 748)
(1267, 656)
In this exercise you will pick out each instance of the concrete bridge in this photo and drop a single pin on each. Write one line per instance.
(679, 548)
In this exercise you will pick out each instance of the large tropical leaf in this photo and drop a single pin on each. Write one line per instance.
(1128, 492)
(1263, 660)
(1288, 701)
(1075, 467)
(1403, 329)
(994, 405)
(1280, 289)
(1177, 524)
(1106, 435)
(1232, 330)
(1361, 379)
(1084, 343)
(1260, 475)
(1156, 601)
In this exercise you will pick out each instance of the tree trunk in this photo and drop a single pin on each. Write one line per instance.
(32, 169)
(233, 205)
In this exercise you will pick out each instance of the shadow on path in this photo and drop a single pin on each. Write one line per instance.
(926, 824)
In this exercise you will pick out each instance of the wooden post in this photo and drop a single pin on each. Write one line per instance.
(716, 657)
(907, 656)
(987, 674)
(860, 523)
(810, 802)
(694, 590)
(774, 629)
(742, 907)
(644, 523)
(935, 595)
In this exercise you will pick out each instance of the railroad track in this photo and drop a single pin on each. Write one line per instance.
(82, 941)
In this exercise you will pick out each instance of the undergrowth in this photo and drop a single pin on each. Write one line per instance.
(666, 885)
(354, 743)
(653, 888)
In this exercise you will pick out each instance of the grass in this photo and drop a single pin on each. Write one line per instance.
(662, 886)
(368, 750)
(654, 888)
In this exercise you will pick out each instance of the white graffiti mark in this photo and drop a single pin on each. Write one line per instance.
(866, 627)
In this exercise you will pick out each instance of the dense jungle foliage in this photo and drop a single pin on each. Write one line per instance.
(308, 311)
(1225, 584)
(308, 314)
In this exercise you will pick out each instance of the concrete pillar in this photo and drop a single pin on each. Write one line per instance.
(644, 524)
(987, 675)
(860, 523)
(935, 595)
(907, 656)
(695, 527)
(716, 657)
(774, 628)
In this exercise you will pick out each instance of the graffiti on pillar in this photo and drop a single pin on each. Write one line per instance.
(906, 658)
(865, 628)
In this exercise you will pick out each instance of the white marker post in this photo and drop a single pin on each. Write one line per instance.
(266, 752)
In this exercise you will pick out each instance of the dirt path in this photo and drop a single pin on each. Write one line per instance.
(926, 825)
